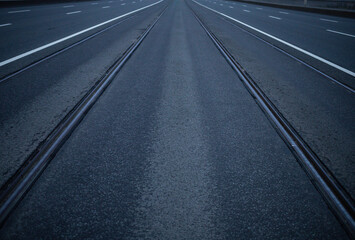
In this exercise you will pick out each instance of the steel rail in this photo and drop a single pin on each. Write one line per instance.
(80, 41)
(335, 195)
(19, 185)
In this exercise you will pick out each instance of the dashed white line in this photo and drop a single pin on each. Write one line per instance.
(259, 8)
(275, 17)
(133, 2)
(5, 24)
(231, 7)
(244, 5)
(284, 13)
(246, 10)
(69, 13)
(345, 34)
(68, 6)
(282, 41)
(19, 11)
(73, 35)
(95, 3)
(106, 7)
(221, 4)
(328, 20)
(123, 4)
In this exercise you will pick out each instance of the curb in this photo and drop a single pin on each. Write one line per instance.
(327, 11)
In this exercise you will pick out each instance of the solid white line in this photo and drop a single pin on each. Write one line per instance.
(123, 4)
(345, 34)
(246, 10)
(73, 35)
(68, 6)
(69, 13)
(284, 42)
(19, 11)
(275, 17)
(106, 7)
(328, 20)
(5, 24)
(284, 13)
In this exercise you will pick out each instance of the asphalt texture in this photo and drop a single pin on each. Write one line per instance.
(34, 102)
(176, 148)
(321, 112)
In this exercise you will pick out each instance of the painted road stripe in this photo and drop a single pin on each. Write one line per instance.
(69, 13)
(284, 13)
(284, 42)
(94, 3)
(19, 11)
(72, 35)
(123, 4)
(5, 24)
(246, 10)
(259, 8)
(345, 34)
(328, 20)
(68, 6)
(231, 7)
(275, 17)
(106, 7)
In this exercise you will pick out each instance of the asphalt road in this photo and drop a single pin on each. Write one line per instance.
(176, 147)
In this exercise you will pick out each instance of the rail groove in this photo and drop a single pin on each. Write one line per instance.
(80, 41)
(16, 189)
(337, 198)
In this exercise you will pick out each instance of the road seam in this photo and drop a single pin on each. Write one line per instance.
(72, 35)
(347, 71)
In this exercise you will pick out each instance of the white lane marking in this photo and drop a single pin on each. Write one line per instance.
(231, 7)
(19, 11)
(221, 4)
(275, 17)
(246, 10)
(73, 35)
(123, 4)
(69, 13)
(259, 8)
(94, 3)
(106, 7)
(284, 13)
(345, 34)
(133, 2)
(68, 6)
(284, 42)
(214, 2)
(244, 5)
(5, 24)
(328, 20)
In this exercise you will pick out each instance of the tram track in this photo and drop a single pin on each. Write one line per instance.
(15, 189)
(124, 18)
(335, 195)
